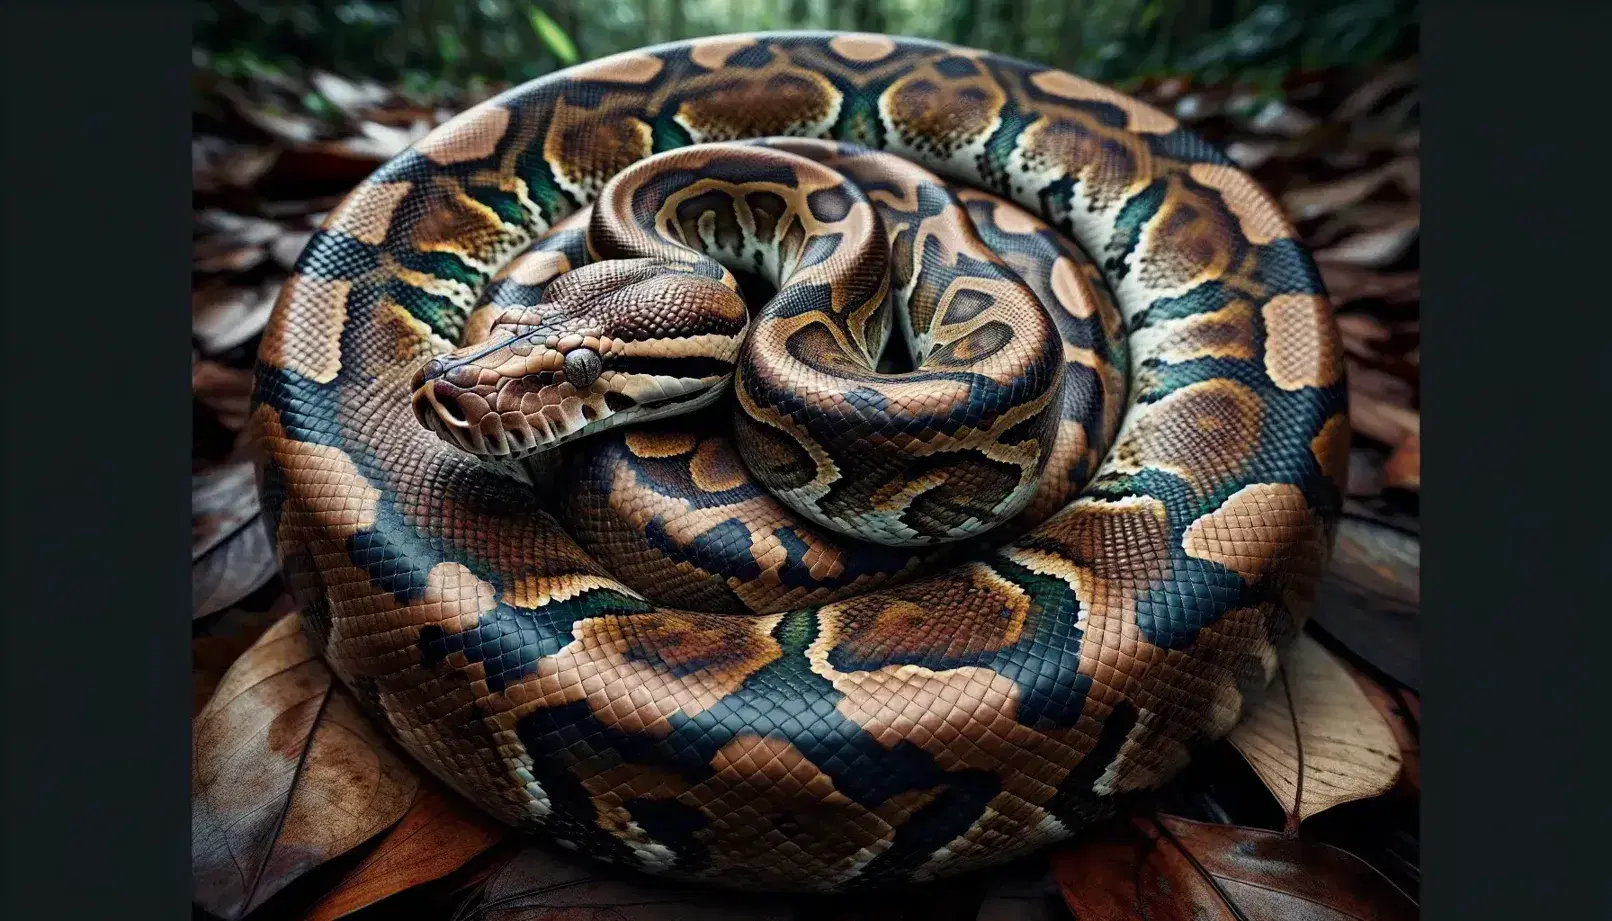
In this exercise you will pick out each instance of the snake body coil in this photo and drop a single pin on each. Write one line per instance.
(720, 686)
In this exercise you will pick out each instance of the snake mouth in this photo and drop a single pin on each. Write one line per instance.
(481, 431)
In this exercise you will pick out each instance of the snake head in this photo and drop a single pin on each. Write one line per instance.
(611, 343)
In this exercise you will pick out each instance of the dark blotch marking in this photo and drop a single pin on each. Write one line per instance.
(956, 67)
(830, 205)
(982, 343)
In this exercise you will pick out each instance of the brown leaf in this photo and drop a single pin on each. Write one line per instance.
(1365, 475)
(286, 774)
(1404, 467)
(1370, 597)
(1365, 97)
(1378, 247)
(1347, 283)
(1313, 201)
(230, 553)
(223, 316)
(540, 885)
(1028, 895)
(227, 636)
(216, 164)
(1165, 868)
(290, 246)
(352, 99)
(439, 834)
(226, 391)
(1314, 738)
(226, 258)
(1379, 405)
(1401, 710)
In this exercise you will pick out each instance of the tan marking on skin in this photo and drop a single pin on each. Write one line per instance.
(1302, 348)
(412, 340)
(928, 107)
(472, 135)
(534, 591)
(1188, 242)
(325, 493)
(537, 267)
(1260, 218)
(1224, 333)
(1141, 118)
(1010, 218)
(479, 325)
(636, 671)
(462, 226)
(985, 613)
(1331, 449)
(787, 801)
(964, 717)
(1110, 165)
(862, 48)
(304, 331)
(1111, 553)
(366, 215)
(1009, 826)
(659, 443)
(1056, 487)
(584, 149)
(631, 67)
(713, 53)
(634, 502)
(716, 470)
(1204, 433)
(1252, 530)
(1073, 291)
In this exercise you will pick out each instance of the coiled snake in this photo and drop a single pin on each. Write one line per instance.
(720, 686)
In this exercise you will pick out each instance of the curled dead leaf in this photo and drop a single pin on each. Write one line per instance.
(1401, 710)
(1346, 283)
(230, 553)
(286, 774)
(1404, 467)
(439, 834)
(1370, 597)
(222, 639)
(226, 391)
(1378, 247)
(1314, 738)
(223, 316)
(1165, 868)
(541, 885)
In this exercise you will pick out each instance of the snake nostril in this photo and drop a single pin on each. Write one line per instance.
(446, 400)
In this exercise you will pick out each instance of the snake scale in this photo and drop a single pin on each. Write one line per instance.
(843, 626)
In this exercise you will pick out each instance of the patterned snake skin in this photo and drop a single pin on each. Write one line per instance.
(1139, 533)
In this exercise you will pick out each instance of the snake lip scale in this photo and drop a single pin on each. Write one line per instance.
(766, 616)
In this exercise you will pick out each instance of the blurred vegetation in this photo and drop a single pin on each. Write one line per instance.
(425, 45)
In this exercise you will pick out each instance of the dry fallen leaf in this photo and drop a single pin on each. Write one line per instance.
(222, 641)
(223, 316)
(1404, 467)
(286, 774)
(1346, 283)
(439, 834)
(230, 553)
(1314, 738)
(1370, 597)
(1378, 247)
(540, 885)
(1401, 710)
(1164, 868)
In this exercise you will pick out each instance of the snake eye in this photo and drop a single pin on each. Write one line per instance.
(582, 367)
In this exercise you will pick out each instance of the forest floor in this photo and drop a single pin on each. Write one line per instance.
(1242, 834)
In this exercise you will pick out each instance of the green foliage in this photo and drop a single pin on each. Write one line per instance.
(426, 43)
